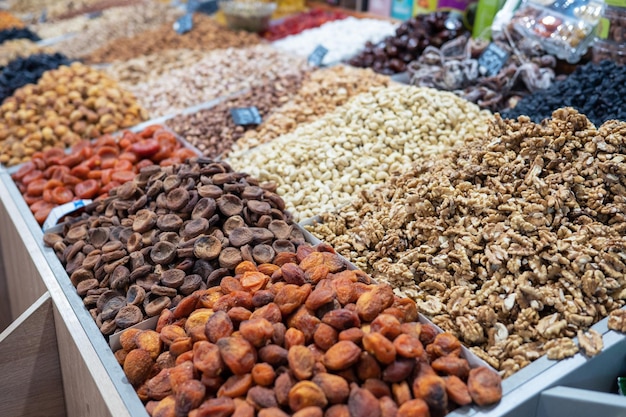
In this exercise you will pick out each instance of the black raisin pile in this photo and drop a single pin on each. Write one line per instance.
(22, 71)
(15, 33)
(596, 90)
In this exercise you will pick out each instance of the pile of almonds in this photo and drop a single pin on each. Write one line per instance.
(301, 336)
(167, 233)
(66, 105)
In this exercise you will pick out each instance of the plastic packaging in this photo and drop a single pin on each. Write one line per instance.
(564, 28)
(252, 16)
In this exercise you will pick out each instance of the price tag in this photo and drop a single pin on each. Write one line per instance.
(207, 7)
(94, 15)
(63, 210)
(317, 56)
(244, 116)
(492, 60)
(184, 24)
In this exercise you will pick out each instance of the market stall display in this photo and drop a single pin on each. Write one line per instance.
(92, 168)
(22, 71)
(353, 33)
(214, 131)
(206, 35)
(218, 74)
(67, 104)
(167, 233)
(391, 55)
(494, 75)
(115, 23)
(321, 92)
(596, 90)
(514, 242)
(293, 25)
(610, 44)
(314, 337)
(327, 163)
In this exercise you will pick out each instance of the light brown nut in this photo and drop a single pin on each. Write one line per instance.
(617, 320)
(590, 342)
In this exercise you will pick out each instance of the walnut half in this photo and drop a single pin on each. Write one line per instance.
(560, 348)
(590, 342)
(617, 321)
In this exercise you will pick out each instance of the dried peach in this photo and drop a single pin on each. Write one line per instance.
(189, 395)
(238, 354)
(170, 333)
(218, 325)
(457, 390)
(443, 345)
(388, 407)
(325, 336)
(379, 346)
(342, 355)
(257, 331)
(290, 297)
(282, 387)
(372, 303)
(414, 408)
(451, 365)
(137, 366)
(179, 374)
(261, 397)
(408, 346)
(263, 374)
(309, 412)
(159, 386)
(387, 325)
(215, 407)
(367, 367)
(165, 408)
(485, 386)
(306, 394)
(150, 341)
(127, 339)
(207, 359)
(335, 387)
(301, 362)
(363, 403)
(235, 386)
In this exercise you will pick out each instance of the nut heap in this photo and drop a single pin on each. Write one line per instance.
(53, 8)
(324, 164)
(66, 105)
(322, 92)
(218, 74)
(413, 36)
(213, 130)
(136, 70)
(206, 35)
(93, 169)
(303, 336)
(18, 48)
(115, 23)
(169, 232)
(514, 243)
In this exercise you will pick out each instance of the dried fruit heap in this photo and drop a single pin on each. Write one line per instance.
(303, 336)
(167, 233)
(514, 243)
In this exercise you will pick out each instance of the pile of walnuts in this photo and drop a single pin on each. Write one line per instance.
(514, 243)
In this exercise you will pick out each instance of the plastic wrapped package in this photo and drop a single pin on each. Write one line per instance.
(564, 28)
